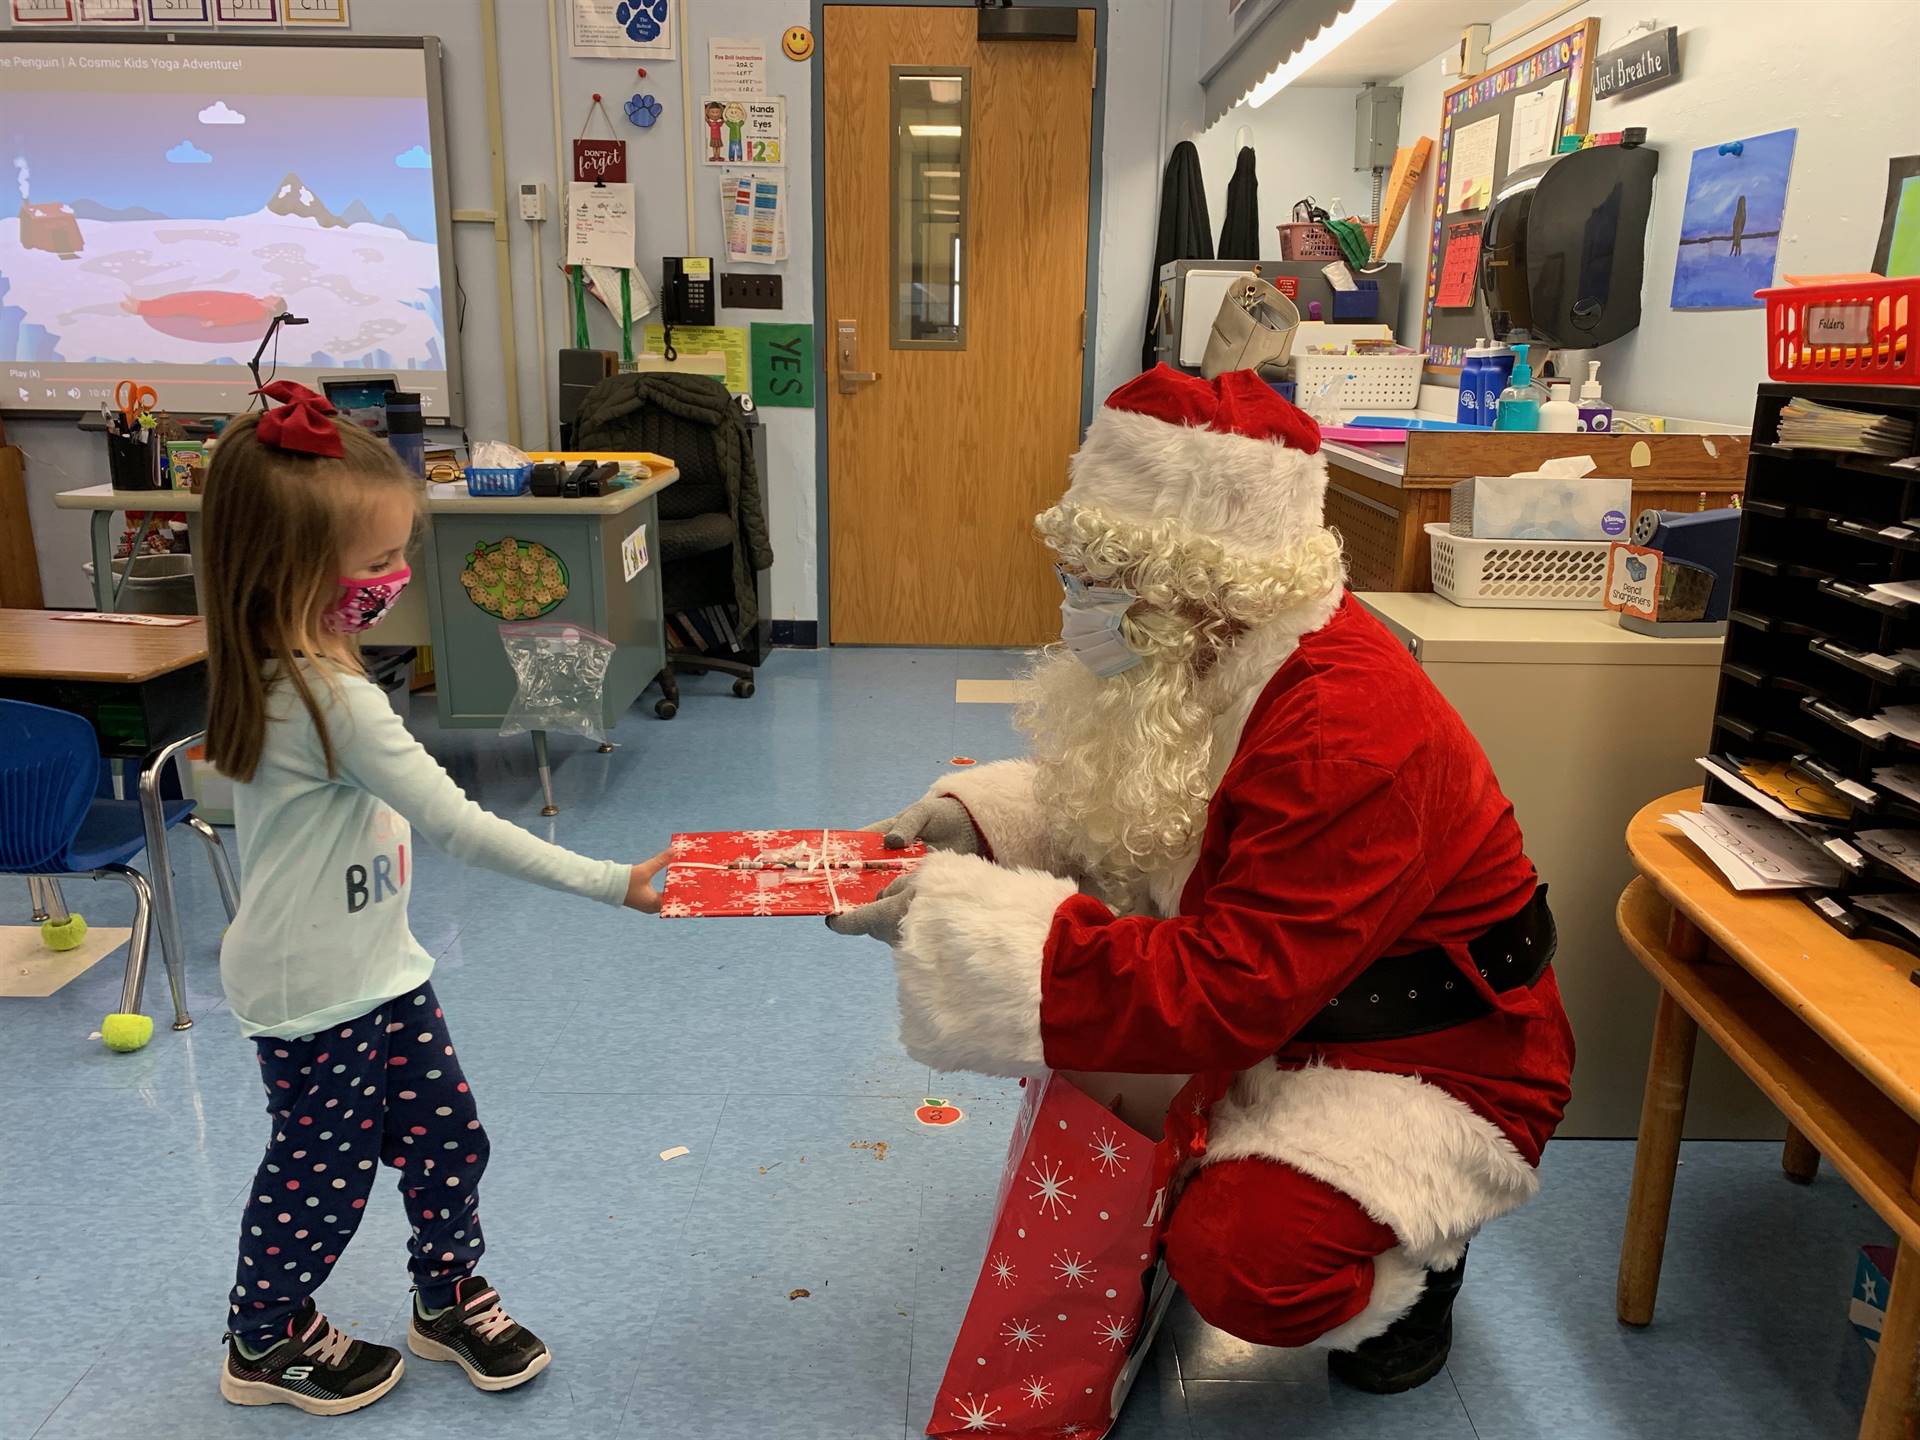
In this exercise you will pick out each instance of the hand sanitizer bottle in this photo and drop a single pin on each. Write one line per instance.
(1595, 413)
(1519, 406)
(1558, 413)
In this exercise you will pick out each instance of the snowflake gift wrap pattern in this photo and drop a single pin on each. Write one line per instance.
(1071, 1290)
(780, 872)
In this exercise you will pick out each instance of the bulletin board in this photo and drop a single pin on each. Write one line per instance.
(1564, 62)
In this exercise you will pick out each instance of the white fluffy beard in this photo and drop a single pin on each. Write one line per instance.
(1125, 762)
(1128, 765)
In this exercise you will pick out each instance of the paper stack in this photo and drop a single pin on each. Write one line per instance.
(1806, 424)
(1756, 852)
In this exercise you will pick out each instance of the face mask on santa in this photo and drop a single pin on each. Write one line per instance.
(1091, 619)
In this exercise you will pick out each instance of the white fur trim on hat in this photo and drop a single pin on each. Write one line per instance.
(968, 964)
(1415, 1158)
(1254, 497)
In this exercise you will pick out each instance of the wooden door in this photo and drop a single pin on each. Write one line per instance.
(956, 235)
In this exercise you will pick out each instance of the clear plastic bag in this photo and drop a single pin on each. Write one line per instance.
(561, 674)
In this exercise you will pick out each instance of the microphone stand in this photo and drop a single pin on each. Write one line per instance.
(273, 328)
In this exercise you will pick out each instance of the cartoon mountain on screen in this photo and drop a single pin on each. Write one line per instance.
(293, 199)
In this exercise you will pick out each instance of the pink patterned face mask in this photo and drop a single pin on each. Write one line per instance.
(363, 601)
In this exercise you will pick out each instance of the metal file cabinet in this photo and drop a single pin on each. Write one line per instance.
(1585, 723)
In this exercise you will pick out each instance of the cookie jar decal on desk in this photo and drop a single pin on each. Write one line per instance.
(513, 579)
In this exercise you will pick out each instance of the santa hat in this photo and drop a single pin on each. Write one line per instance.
(1225, 460)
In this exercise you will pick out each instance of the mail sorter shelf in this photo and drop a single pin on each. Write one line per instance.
(1811, 655)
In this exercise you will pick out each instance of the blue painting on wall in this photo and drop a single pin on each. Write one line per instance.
(1730, 230)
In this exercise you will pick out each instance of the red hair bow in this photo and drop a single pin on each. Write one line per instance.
(300, 424)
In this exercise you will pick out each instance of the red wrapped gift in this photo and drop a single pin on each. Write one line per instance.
(1071, 1291)
(780, 872)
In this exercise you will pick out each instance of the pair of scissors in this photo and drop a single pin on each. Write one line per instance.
(134, 401)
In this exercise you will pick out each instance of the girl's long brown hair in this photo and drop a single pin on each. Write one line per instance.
(273, 533)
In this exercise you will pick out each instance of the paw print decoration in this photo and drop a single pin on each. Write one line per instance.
(643, 110)
(644, 20)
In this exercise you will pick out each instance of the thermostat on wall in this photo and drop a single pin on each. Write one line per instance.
(533, 200)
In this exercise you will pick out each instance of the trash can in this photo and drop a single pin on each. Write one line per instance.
(157, 585)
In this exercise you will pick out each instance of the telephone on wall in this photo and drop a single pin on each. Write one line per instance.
(689, 290)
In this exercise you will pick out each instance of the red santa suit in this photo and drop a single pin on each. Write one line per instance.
(1352, 817)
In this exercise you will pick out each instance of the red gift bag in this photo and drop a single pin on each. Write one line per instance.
(1071, 1290)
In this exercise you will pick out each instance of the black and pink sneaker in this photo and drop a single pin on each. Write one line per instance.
(477, 1334)
(317, 1368)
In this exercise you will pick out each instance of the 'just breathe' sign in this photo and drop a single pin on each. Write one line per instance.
(1640, 64)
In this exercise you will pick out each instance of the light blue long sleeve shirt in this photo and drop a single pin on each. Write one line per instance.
(327, 862)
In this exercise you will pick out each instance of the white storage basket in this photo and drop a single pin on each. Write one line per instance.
(1519, 574)
(1380, 382)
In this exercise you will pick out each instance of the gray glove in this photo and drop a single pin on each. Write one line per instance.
(879, 919)
(939, 822)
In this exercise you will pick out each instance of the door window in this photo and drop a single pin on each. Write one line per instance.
(932, 120)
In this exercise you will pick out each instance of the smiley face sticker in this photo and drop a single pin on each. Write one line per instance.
(797, 43)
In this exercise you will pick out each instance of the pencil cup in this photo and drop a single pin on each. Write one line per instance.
(133, 462)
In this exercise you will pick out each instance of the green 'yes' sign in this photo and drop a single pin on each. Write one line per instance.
(783, 365)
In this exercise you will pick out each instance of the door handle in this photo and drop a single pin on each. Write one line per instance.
(847, 357)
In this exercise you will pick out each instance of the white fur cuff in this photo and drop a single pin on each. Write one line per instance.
(1000, 799)
(1414, 1157)
(969, 963)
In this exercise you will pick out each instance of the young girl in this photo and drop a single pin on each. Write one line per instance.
(307, 526)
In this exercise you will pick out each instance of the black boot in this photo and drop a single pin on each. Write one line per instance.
(1413, 1349)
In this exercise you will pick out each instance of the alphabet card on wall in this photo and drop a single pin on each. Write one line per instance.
(247, 12)
(43, 12)
(179, 12)
(1730, 228)
(317, 12)
(110, 12)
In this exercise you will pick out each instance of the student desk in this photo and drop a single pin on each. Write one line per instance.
(143, 688)
(1827, 1027)
(474, 685)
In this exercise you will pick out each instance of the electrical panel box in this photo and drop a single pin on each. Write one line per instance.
(533, 200)
(1376, 127)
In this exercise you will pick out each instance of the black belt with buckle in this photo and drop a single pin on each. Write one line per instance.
(1399, 996)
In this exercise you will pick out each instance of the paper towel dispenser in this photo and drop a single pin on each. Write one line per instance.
(1564, 247)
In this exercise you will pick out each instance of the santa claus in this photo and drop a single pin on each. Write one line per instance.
(1255, 846)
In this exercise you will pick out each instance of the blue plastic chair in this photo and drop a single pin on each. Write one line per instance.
(58, 818)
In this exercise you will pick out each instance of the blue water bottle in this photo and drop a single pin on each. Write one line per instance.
(1470, 385)
(1496, 371)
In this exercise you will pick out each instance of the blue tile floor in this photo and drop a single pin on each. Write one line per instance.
(597, 1038)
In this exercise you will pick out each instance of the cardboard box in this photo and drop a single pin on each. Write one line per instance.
(1536, 507)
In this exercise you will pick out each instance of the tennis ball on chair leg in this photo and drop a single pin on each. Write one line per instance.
(126, 1032)
(64, 934)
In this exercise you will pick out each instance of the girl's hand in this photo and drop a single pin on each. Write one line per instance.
(641, 894)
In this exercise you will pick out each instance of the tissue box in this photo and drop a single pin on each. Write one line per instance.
(1533, 507)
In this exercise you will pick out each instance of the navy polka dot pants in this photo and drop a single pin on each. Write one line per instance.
(385, 1087)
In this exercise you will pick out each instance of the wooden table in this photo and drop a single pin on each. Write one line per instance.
(143, 688)
(1381, 498)
(1827, 1027)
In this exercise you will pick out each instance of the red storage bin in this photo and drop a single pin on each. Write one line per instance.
(1861, 333)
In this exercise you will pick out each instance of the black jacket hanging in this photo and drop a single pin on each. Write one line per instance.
(1240, 230)
(1185, 231)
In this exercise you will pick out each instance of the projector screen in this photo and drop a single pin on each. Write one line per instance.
(174, 194)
